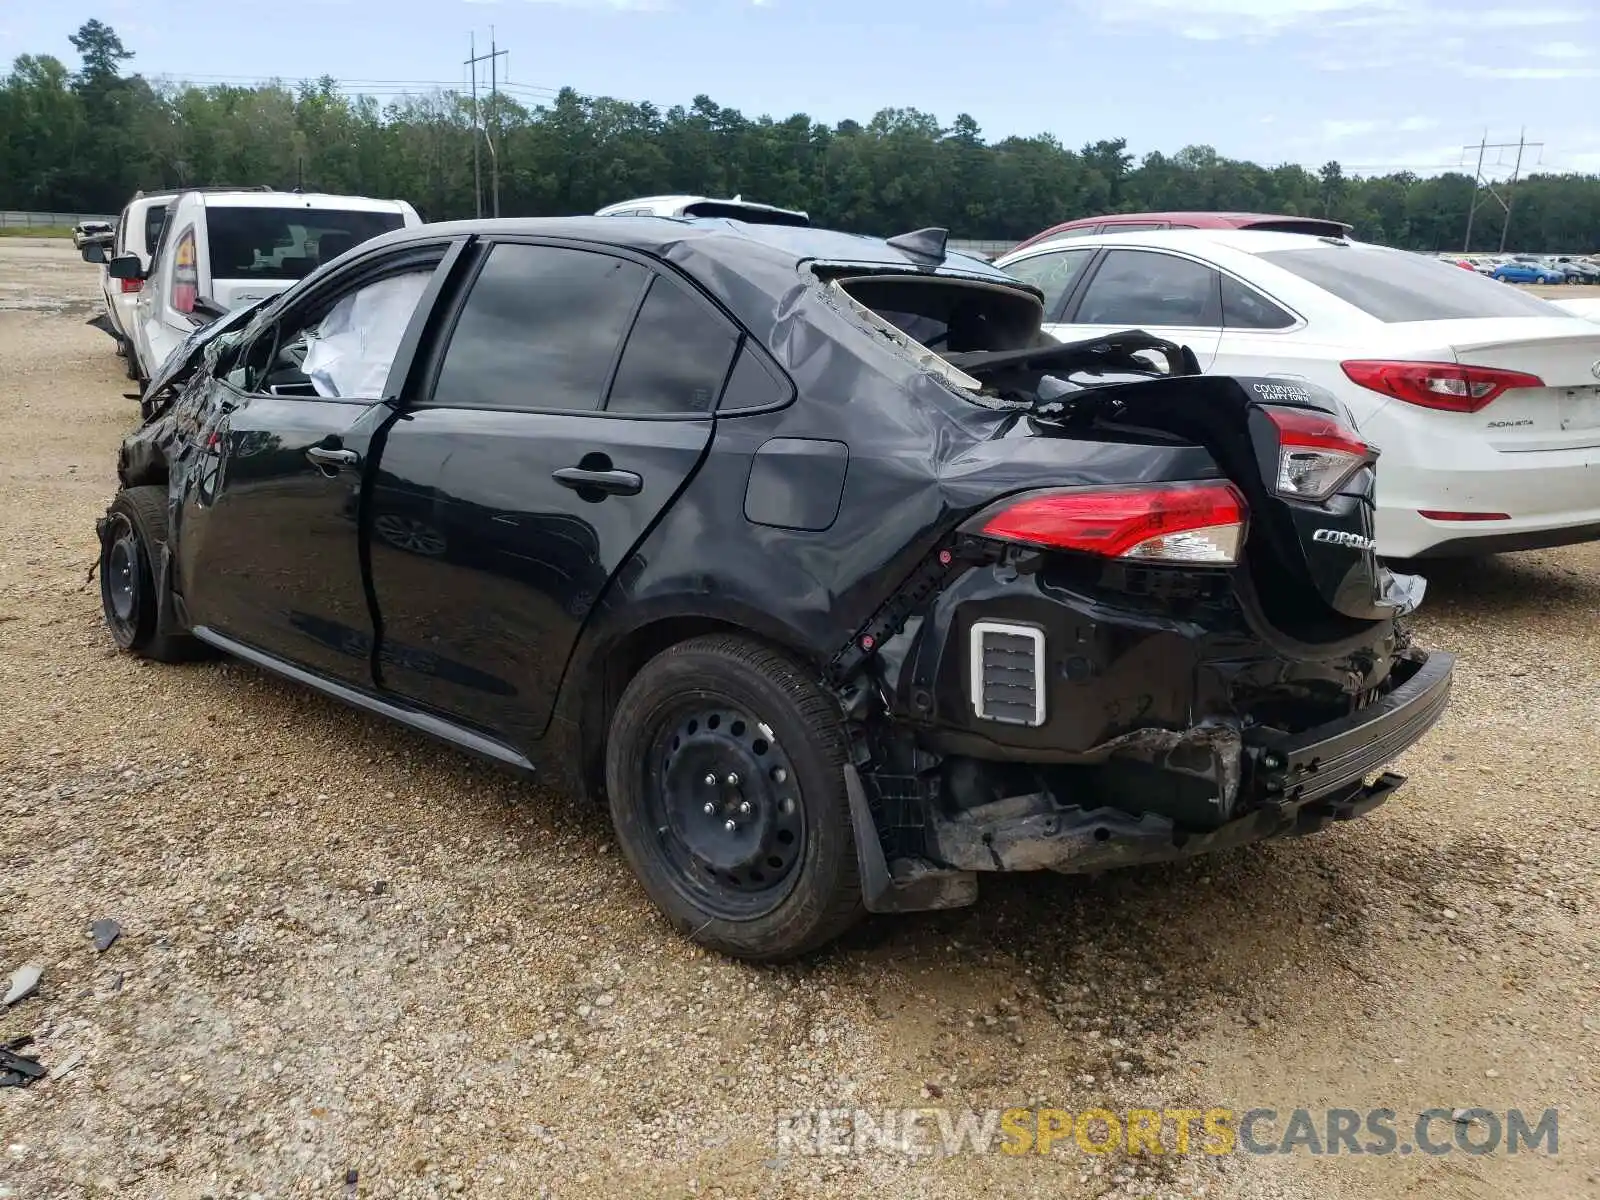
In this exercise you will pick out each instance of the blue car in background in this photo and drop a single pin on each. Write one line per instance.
(1526, 272)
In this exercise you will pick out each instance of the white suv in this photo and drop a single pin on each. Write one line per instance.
(218, 251)
(136, 233)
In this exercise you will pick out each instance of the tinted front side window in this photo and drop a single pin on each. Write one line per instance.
(1245, 308)
(677, 355)
(1053, 274)
(1139, 287)
(539, 330)
(286, 243)
(1395, 286)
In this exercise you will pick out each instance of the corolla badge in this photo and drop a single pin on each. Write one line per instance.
(1338, 537)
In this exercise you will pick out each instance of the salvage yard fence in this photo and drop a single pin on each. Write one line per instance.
(30, 220)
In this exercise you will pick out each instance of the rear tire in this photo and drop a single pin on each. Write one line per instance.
(129, 552)
(725, 777)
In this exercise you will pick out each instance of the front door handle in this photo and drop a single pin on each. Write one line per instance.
(329, 461)
(611, 483)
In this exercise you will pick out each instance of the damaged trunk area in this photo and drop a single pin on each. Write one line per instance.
(1098, 669)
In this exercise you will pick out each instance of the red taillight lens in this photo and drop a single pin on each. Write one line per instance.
(1434, 514)
(1316, 453)
(130, 286)
(185, 275)
(1450, 387)
(1175, 522)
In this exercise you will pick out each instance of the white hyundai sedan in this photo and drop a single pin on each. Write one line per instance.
(1484, 399)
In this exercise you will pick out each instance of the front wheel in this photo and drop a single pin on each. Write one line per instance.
(725, 776)
(135, 529)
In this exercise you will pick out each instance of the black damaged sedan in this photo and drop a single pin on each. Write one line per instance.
(810, 553)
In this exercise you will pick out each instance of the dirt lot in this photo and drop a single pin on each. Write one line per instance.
(348, 950)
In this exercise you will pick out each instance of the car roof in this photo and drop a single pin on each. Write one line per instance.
(1203, 219)
(307, 200)
(720, 237)
(1250, 241)
(673, 203)
(751, 267)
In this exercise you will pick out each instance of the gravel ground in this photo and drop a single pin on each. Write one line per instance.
(353, 963)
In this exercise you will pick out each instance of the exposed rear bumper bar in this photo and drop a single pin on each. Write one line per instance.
(1345, 751)
(1317, 778)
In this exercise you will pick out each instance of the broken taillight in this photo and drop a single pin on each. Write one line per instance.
(1171, 522)
(1316, 453)
(1450, 387)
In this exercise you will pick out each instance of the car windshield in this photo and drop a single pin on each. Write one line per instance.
(286, 243)
(1395, 287)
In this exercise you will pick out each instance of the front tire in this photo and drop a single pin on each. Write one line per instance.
(725, 777)
(135, 530)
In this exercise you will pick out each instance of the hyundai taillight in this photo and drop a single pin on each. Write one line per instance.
(185, 275)
(1173, 522)
(130, 286)
(1316, 453)
(1450, 387)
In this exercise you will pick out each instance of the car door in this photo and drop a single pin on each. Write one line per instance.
(568, 403)
(1170, 295)
(268, 538)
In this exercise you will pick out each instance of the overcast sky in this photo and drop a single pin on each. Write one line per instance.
(1373, 83)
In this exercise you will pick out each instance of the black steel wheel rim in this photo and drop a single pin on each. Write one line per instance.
(120, 578)
(725, 808)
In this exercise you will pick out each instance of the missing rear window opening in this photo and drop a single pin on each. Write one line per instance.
(925, 358)
(930, 317)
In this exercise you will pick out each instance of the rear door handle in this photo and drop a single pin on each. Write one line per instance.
(329, 461)
(612, 483)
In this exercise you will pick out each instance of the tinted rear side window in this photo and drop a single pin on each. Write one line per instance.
(154, 218)
(1395, 286)
(677, 355)
(286, 243)
(539, 330)
(1245, 308)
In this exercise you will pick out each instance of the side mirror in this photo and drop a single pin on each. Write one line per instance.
(94, 252)
(125, 266)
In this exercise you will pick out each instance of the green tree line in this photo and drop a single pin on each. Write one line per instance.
(83, 140)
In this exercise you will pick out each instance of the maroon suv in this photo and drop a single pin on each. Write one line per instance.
(1139, 222)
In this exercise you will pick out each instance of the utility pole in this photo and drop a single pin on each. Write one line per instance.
(478, 130)
(1511, 192)
(477, 170)
(494, 113)
(1472, 208)
(1480, 183)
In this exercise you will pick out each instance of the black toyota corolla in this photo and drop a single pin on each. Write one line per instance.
(809, 552)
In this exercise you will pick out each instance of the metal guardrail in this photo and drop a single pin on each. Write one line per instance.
(29, 220)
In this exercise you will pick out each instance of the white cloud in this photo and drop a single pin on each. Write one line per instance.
(1487, 71)
(1521, 18)
(1562, 50)
(612, 5)
(1336, 130)
(1335, 21)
